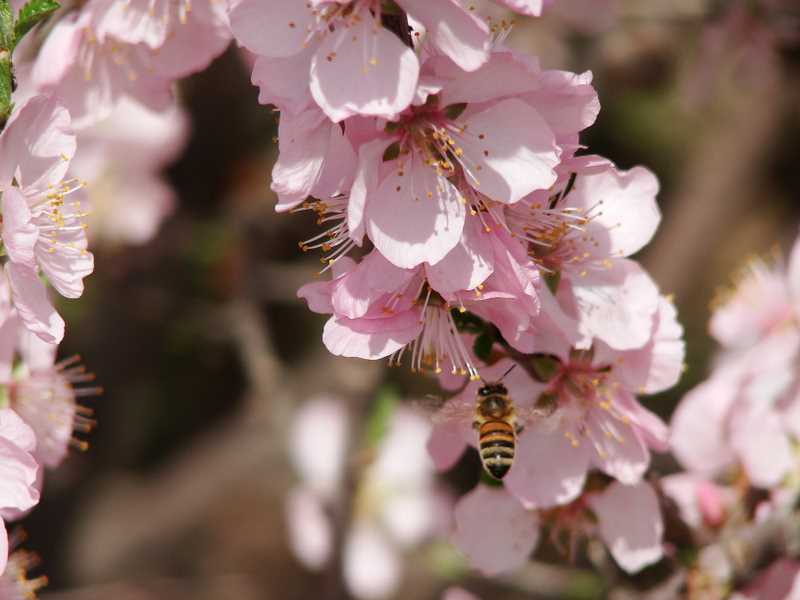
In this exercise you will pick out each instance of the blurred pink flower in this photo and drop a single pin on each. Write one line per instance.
(43, 228)
(395, 505)
(89, 75)
(120, 158)
(765, 300)
(183, 36)
(701, 503)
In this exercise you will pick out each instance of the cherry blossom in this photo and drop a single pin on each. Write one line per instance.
(43, 227)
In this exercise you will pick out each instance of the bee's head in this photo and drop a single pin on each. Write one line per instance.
(493, 389)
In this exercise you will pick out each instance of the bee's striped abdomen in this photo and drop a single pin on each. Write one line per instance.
(496, 441)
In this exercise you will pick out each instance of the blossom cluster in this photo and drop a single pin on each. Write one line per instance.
(91, 123)
(737, 432)
(464, 230)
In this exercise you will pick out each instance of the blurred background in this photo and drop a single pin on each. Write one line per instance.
(205, 352)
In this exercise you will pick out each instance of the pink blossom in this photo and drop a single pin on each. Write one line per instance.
(580, 235)
(19, 470)
(120, 159)
(354, 65)
(43, 227)
(44, 393)
(764, 301)
(498, 534)
(183, 36)
(742, 414)
(457, 593)
(597, 422)
(90, 75)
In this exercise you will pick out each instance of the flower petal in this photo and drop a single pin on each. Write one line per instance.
(494, 531)
(34, 307)
(415, 216)
(363, 69)
(630, 524)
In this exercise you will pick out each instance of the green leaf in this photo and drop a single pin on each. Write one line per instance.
(378, 420)
(30, 14)
(483, 346)
(6, 28)
(5, 87)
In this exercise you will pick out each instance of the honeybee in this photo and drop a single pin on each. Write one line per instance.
(496, 421)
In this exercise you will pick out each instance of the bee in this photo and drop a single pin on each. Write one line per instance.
(497, 422)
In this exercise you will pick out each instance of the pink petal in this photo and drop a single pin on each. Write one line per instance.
(19, 233)
(793, 271)
(506, 74)
(415, 216)
(566, 100)
(467, 265)
(454, 593)
(37, 145)
(16, 431)
(617, 304)
(630, 524)
(284, 81)
(30, 298)
(276, 29)
(494, 531)
(548, 470)
(659, 364)
(372, 567)
(514, 160)
(309, 528)
(760, 441)
(624, 206)
(370, 338)
(9, 333)
(365, 182)
(371, 279)
(363, 70)
(699, 425)
(37, 354)
(66, 267)
(318, 444)
(446, 444)
(619, 450)
(17, 476)
(532, 8)
(453, 30)
(304, 142)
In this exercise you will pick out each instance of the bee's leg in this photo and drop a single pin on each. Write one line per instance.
(519, 428)
(475, 425)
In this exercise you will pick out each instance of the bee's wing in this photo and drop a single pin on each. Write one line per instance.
(530, 414)
(440, 410)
